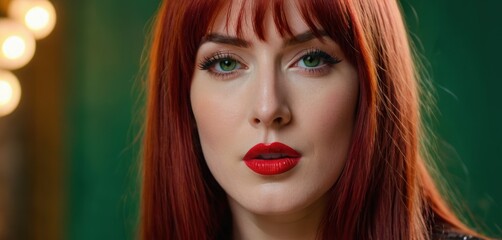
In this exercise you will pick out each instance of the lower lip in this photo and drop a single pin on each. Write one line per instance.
(272, 166)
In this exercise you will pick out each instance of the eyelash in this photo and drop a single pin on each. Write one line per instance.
(328, 61)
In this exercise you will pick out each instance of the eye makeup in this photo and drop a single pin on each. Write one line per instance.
(312, 62)
(315, 62)
(221, 64)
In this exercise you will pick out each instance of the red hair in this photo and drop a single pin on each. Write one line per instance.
(384, 191)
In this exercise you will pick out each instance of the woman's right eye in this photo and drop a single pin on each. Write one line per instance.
(221, 65)
(226, 65)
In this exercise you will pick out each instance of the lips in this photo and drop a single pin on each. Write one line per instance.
(271, 159)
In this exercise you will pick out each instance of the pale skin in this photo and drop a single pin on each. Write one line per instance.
(302, 93)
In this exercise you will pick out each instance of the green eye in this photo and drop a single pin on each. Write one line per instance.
(226, 65)
(311, 61)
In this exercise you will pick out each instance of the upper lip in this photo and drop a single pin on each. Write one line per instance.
(271, 151)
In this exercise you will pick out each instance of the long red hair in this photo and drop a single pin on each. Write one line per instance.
(384, 191)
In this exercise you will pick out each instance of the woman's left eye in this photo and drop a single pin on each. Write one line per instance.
(316, 59)
(310, 61)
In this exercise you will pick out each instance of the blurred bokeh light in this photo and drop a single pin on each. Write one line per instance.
(10, 92)
(39, 16)
(17, 44)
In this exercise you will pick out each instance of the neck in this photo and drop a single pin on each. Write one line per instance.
(302, 224)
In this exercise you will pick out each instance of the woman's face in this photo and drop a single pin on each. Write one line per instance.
(274, 117)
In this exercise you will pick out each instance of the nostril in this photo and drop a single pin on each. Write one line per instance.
(269, 122)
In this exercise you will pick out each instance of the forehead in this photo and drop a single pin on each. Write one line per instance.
(249, 19)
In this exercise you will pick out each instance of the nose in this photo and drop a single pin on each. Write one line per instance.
(270, 105)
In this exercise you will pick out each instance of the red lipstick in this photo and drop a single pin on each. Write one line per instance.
(271, 159)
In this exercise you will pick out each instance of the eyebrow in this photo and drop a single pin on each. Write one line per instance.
(239, 42)
(225, 39)
(304, 37)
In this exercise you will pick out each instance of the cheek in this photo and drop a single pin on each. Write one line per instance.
(335, 128)
(219, 124)
(217, 118)
(331, 107)
(333, 113)
(208, 116)
(335, 118)
(211, 121)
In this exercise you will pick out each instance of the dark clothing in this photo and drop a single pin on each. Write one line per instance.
(446, 234)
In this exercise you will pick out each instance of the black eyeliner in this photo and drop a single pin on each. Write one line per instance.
(325, 56)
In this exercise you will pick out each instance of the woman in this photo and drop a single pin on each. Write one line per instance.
(286, 120)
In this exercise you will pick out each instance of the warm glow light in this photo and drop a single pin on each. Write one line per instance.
(13, 47)
(39, 16)
(17, 45)
(10, 92)
(5, 92)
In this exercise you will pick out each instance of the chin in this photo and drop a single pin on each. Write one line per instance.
(279, 202)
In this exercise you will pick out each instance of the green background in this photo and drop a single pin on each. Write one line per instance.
(461, 44)
(106, 39)
(461, 41)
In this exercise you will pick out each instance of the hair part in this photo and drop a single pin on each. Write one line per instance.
(384, 191)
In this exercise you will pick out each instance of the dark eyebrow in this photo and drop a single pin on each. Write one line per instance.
(224, 39)
(304, 37)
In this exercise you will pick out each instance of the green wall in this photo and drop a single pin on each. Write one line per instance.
(106, 41)
(461, 40)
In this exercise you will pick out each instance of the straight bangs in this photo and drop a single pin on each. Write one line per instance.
(322, 17)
